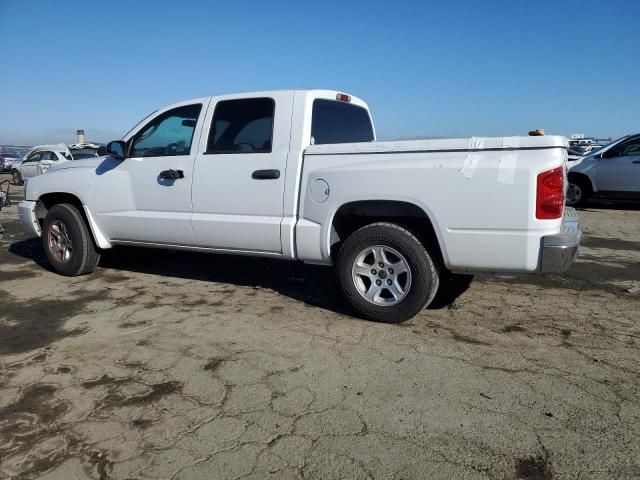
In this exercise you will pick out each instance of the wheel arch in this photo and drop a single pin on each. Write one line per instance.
(583, 177)
(48, 200)
(353, 215)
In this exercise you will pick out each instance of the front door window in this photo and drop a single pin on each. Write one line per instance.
(169, 134)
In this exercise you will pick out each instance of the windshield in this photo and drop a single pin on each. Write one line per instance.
(595, 150)
(81, 156)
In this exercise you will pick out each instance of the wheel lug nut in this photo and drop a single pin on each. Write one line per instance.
(391, 271)
(378, 282)
(389, 282)
(381, 265)
(373, 271)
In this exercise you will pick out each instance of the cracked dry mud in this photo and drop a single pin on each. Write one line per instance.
(189, 366)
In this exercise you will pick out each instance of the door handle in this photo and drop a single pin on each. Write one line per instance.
(636, 161)
(265, 174)
(171, 174)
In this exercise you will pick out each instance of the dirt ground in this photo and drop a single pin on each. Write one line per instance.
(194, 366)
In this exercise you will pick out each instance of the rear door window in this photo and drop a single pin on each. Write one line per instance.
(339, 122)
(242, 126)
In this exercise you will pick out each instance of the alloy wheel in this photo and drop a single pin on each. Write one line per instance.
(60, 242)
(381, 275)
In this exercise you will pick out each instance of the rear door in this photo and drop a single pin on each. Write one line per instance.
(238, 182)
(619, 173)
(136, 199)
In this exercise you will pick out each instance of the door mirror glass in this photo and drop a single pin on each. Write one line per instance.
(117, 149)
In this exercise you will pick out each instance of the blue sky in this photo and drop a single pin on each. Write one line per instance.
(427, 69)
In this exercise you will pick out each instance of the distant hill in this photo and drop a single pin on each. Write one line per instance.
(19, 150)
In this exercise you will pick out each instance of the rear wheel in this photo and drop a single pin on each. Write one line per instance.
(67, 241)
(386, 273)
(16, 178)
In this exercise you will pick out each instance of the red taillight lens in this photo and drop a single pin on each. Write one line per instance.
(550, 194)
(343, 97)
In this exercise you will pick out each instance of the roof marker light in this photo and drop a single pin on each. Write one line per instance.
(343, 97)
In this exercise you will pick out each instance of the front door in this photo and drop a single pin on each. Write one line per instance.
(147, 197)
(238, 181)
(29, 166)
(619, 173)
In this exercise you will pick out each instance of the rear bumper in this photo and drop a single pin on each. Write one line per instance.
(559, 251)
(27, 214)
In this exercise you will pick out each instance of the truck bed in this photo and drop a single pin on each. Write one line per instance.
(479, 194)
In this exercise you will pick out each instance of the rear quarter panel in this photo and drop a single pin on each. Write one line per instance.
(483, 216)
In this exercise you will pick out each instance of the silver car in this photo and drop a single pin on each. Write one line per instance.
(613, 172)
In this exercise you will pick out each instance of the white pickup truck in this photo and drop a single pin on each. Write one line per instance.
(298, 175)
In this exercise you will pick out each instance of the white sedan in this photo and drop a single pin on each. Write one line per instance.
(38, 160)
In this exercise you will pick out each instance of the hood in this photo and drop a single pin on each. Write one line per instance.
(91, 163)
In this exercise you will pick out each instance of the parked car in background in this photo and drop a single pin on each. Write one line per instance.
(7, 161)
(574, 154)
(38, 160)
(81, 151)
(612, 172)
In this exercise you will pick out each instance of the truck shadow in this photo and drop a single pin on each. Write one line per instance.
(311, 284)
(596, 205)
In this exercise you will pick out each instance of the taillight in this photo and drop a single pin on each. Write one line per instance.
(343, 97)
(550, 194)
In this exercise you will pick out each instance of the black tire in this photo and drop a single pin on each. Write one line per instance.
(424, 270)
(83, 256)
(16, 177)
(578, 184)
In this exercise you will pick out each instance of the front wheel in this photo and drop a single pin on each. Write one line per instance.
(16, 178)
(577, 192)
(386, 273)
(67, 241)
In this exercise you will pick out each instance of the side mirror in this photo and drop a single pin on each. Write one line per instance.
(608, 153)
(117, 149)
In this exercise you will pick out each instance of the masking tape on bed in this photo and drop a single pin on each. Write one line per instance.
(508, 160)
(472, 159)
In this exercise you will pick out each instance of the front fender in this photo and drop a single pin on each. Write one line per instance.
(588, 167)
(73, 182)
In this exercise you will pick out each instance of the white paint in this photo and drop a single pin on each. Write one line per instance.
(469, 165)
(507, 168)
